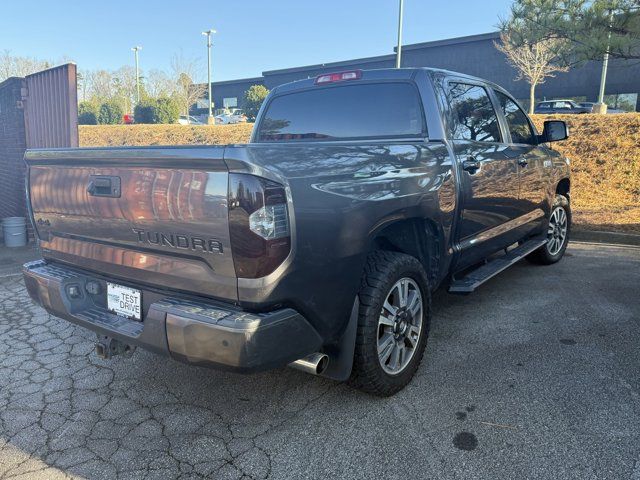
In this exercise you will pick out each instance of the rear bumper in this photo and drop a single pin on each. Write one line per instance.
(192, 331)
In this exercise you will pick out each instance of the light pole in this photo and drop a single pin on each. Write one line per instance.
(399, 49)
(601, 107)
(135, 53)
(208, 34)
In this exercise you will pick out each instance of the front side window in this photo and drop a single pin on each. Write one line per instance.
(517, 121)
(356, 111)
(473, 115)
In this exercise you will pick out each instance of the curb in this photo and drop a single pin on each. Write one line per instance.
(605, 237)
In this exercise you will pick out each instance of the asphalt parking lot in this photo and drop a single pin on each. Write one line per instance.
(537, 375)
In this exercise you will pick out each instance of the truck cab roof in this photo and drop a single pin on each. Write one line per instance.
(376, 74)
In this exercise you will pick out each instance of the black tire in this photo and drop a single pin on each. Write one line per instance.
(382, 271)
(543, 256)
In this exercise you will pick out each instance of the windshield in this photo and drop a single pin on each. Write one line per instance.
(357, 111)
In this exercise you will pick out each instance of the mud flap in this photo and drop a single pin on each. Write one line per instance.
(341, 354)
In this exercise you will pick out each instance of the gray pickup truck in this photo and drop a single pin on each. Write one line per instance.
(318, 244)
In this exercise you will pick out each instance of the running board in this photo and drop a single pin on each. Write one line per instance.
(477, 277)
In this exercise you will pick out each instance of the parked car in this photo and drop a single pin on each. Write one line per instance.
(238, 116)
(222, 119)
(128, 119)
(189, 120)
(609, 110)
(228, 118)
(561, 106)
(318, 244)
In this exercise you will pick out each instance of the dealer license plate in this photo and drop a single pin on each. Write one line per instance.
(124, 301)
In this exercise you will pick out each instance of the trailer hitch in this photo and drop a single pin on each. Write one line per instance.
(107, 347)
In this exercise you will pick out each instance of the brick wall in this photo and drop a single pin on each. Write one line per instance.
(12, 147)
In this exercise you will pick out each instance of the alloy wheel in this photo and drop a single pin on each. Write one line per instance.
(557, 231)
(399, 326)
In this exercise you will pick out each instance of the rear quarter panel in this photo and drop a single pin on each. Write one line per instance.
(340, 195)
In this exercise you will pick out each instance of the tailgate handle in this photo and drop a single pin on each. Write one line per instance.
(104, 186)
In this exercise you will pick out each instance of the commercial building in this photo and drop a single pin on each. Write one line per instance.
(474, 55)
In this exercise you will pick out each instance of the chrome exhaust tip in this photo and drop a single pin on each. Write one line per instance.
(315, 364)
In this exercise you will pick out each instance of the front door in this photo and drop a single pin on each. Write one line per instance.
(488, 175)
(534, 164)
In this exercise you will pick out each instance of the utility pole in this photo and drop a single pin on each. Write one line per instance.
(208, 34)
(601, 107)
(135, 53)
(399, 49)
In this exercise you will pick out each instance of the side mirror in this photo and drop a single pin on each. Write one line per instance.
(554, 131)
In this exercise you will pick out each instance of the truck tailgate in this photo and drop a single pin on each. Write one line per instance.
(144, 215)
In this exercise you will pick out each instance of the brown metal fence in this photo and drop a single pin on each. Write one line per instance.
(39, 111)
(51, 108)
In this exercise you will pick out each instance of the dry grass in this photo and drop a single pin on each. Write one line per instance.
(604, 152)
(605, 169)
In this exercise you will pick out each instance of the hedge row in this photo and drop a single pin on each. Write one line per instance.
(119, 135)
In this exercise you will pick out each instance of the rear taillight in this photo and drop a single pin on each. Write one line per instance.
(258, 225)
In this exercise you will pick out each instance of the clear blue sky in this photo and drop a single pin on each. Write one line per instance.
(253, 35)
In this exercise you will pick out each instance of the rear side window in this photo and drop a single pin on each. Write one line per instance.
(382, 110)
(473, 115)
(519, 126)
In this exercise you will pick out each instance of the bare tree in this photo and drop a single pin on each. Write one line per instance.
(6, 65)
(16, 66)
(184, 71)
(159, 84)
(85, 84)
(535, 61)
(98, 85)
(124, 80)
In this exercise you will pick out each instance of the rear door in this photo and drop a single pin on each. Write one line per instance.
(488, 176)
(141, 215)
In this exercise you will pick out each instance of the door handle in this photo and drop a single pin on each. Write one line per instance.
(523, 162)
(471, 165)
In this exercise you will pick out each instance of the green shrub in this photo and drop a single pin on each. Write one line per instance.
(167, 110)
(110, 113)
(253, 99)
(87, 113)
(162, 110)
(144, 111)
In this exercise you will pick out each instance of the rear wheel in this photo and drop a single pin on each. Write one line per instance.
(395, 309)
(557, 234)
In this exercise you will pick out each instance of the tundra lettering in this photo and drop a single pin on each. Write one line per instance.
(359, 194)
(179, 241)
